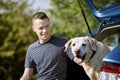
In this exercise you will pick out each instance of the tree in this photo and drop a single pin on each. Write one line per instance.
(15, 26)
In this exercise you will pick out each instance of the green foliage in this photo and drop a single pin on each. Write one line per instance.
(15, 26)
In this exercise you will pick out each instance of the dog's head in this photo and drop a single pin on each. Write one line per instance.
(81, 46)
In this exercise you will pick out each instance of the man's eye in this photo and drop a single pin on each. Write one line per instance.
(40, 28)
(74, 44)
(46, 26)
(83, 44)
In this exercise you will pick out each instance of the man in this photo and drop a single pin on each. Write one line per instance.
(46, 54)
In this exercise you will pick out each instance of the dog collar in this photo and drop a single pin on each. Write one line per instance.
(92, 55)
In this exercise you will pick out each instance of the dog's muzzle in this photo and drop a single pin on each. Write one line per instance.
(77, 52)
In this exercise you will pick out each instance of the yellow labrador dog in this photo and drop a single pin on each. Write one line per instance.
(90, 53)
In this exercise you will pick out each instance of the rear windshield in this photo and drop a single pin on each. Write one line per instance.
(100, 4)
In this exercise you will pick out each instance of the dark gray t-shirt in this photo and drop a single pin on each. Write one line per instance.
(48, 58)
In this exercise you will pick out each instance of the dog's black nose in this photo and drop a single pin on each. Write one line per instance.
(78, 56)
(77, 51)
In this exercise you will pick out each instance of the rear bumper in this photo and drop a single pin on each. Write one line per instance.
(109, 76)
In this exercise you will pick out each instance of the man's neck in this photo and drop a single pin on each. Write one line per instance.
(46, 40)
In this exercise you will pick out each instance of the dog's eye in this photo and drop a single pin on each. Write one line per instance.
(83, 44)
(74, 44)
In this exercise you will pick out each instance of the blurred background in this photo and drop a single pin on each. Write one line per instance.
(16, 34)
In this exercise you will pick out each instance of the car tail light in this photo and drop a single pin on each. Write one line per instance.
(112, 68)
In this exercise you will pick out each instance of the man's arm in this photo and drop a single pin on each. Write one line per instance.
(27, 74)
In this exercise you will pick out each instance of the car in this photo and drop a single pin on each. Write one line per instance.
(109, 19)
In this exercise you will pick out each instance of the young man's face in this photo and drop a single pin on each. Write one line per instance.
(42, 28)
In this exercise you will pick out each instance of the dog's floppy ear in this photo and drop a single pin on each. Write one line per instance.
(93, 43)
(67, 45)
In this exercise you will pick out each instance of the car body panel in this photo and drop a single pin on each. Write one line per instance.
(114, 55)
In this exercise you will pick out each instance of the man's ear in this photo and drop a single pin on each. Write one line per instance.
(33, 28)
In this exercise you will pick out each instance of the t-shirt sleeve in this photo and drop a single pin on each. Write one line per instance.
(29, 62)
(69, 53)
